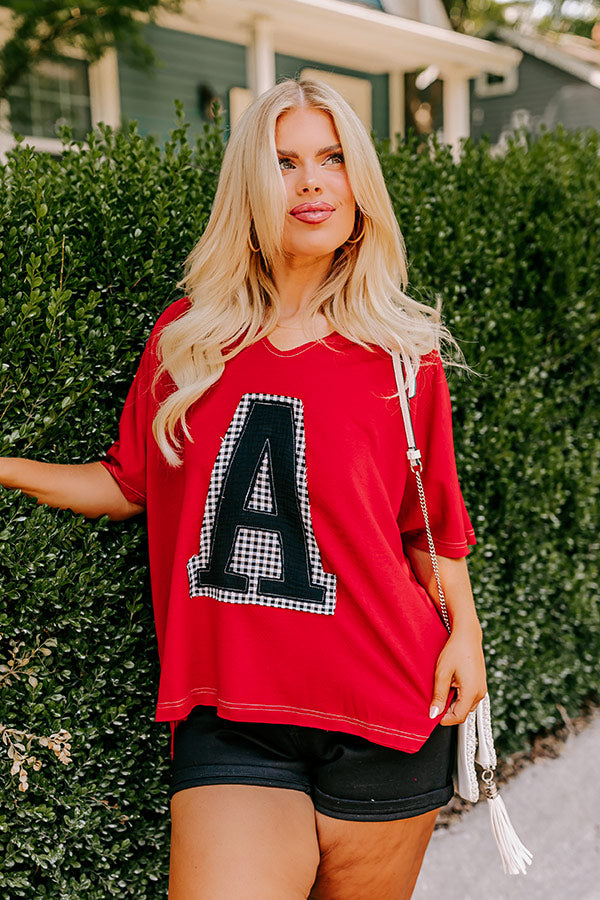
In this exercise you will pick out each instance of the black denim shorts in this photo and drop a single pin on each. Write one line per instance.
(347, 777)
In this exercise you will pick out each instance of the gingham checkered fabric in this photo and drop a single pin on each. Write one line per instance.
(258, 552)
(260, 494)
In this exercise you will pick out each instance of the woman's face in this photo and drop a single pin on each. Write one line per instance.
(320, 205)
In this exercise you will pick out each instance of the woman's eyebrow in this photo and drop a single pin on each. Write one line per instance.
(293, 155)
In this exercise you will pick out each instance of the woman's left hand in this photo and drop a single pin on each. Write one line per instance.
(461, 664)
(461, 667)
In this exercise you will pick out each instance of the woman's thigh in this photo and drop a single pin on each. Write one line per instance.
(230, 841)
(363, 860)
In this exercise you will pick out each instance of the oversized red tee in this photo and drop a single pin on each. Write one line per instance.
(281, 589)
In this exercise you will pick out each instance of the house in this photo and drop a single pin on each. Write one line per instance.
(557, 82)
(233, 50)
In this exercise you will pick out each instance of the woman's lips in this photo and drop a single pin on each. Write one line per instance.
(313, 213)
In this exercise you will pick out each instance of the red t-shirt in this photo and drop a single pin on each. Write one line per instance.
(281, 590)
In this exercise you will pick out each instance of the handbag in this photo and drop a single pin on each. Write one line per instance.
(475, 737)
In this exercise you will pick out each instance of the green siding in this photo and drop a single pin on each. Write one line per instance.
(291, 66)
(186, 62)
(539, 86)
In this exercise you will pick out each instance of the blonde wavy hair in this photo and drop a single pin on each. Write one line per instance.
(233, 299)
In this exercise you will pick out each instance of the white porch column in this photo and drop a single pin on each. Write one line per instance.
(456, 109)
(261, 57)
(105, 99)
(396, 111)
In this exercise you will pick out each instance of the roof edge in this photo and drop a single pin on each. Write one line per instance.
(554, 56)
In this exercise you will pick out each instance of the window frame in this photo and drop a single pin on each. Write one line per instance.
(508, 85)
(105, 105)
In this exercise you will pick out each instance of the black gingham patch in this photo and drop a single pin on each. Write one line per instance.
(260, 493)
(258, 551)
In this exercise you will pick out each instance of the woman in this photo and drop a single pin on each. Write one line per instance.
(312, 687)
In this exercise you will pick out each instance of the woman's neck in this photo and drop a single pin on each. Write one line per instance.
(297, 281)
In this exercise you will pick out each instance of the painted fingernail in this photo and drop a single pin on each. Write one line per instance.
(434, 712)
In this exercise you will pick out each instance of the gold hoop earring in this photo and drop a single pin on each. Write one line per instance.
(359, 238)
(361, 235)
(252, 247)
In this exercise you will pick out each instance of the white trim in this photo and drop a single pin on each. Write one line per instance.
(239, 101)
(6, 144)
(455, 99)
(397, 100)
(41, 144)
(432, 12)
(342, 34)
(508, 85)
(105, 100)
(261, 56)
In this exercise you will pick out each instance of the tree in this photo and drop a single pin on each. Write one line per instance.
(43, 29)
(478, 16)
(473, 16)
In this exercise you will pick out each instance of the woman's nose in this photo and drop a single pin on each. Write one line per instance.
(309, 181)
(309, 186)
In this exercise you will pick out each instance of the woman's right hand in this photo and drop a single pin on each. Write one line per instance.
(88, 489)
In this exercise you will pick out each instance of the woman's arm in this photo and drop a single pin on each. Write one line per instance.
(88, 489)
(461, 664)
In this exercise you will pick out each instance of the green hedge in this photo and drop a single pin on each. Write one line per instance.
(512, 244)
(91, 248)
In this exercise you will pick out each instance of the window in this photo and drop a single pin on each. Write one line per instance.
(55, 94)
(489, 85)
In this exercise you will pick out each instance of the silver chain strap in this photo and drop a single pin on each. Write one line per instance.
(414, 460)
(431, 545)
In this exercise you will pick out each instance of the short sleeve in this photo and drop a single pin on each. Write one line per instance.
(126, 459)
(432, 420)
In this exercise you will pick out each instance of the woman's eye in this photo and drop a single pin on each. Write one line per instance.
(335, 159)
(285, 162)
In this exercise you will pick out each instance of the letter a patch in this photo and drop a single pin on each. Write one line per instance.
(257, 543)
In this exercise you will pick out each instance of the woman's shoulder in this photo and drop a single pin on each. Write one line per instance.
(173, 311)
(431, 368)
(432, 359)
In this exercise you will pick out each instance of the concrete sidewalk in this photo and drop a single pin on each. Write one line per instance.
(554, 805)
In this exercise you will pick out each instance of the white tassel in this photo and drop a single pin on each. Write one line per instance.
(476, 745)
(514, 854)
(475, 737)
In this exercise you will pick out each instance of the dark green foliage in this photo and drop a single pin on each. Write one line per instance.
(73, 322)
(91, 249)
(512, 245)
